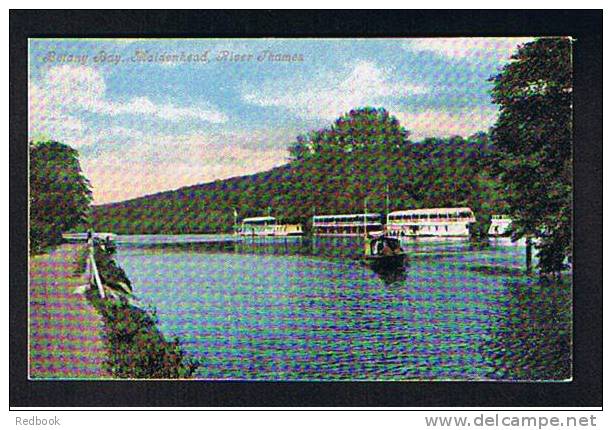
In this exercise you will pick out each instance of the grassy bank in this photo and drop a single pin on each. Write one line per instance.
(544, 318)
(137, 348)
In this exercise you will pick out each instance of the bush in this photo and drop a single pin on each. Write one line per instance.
(137, 347)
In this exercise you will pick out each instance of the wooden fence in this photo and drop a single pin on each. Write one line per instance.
(94, 275)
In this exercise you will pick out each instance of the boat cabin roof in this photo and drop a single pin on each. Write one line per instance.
(347, 216)
(430, 211)
(259, 219)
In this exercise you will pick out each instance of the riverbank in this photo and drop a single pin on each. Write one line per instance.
(76, 334)
(137, 348)
(66, 332)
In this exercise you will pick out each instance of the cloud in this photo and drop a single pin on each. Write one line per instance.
(67, 91)
(164, 161)
(330, 95)
(125, 162)
(73, 86)
(144, 106)
(476, 49)
(445, 123)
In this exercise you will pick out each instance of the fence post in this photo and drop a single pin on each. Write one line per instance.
(94, 274)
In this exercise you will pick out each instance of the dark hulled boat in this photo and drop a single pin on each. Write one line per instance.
(383, 253)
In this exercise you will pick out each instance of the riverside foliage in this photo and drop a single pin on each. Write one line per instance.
(137, 348)
(533, 137)
(60, 196)
(365, 154)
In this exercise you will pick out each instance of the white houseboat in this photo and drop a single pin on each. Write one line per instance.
(346, 225)
(500, 225)
(268, 226)
(444, 222)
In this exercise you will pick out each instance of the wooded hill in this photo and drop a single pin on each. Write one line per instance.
(332, 171)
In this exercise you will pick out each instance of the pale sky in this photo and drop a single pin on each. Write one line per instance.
(153, 115)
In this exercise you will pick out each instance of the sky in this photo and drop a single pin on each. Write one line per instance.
(153, 115)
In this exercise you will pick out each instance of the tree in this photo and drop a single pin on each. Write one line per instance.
(60, 195)
(533, 135)
(366, 128)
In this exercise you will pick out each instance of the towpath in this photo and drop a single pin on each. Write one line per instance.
(65, 335)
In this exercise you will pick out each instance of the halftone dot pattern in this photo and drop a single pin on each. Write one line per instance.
(146, 110)
(65, 330)
(271, 311)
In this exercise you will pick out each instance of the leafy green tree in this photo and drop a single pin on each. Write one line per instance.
(366, 128)
(60, 195)
(533, 135)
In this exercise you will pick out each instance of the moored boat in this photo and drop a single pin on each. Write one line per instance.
(268, 226)
(346, 224)
(383, 253)
(442, 222)
(500, 226)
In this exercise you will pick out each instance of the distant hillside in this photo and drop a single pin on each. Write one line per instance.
(432, 173)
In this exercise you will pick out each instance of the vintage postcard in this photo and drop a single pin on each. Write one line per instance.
(269, 209)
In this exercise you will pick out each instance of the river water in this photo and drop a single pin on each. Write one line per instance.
(300, 309)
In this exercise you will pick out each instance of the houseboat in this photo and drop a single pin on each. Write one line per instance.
(500, 226)
(288, 230)
(346, 225)
(443, 222)
(268, 226)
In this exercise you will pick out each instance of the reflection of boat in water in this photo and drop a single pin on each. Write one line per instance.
(383, 253)
(394, 276)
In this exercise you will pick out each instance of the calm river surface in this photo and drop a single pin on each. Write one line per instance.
(302, 309)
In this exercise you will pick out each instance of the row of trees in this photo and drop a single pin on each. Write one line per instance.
(529, 163)
(533, 137)
(523, 168)
(435, 172)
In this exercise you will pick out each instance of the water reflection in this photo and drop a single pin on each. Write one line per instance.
(332, 247)
(391, 277)
(534, 318)
(308, 309)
